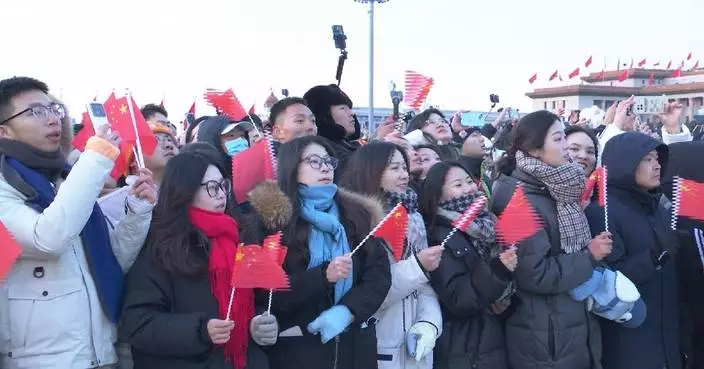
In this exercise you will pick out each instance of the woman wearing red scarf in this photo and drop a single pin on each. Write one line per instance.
(178, 290)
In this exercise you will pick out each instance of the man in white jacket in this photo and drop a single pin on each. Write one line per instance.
(62, 298)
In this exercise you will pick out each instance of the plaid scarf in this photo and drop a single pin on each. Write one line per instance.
(416, 235)
(481, 230)
(566, 184)
(409, 199)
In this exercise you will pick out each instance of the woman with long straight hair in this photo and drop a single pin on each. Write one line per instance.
(178, 291)
(548, 328)
(473, 278)
(325, 318)
(411, 309)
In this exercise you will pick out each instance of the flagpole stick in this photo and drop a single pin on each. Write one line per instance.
(229, 305)
(271, 297)
(675, 203)
(606, 201)
(366, 238)
(140, 155)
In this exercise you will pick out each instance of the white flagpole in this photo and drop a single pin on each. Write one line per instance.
(140, 155)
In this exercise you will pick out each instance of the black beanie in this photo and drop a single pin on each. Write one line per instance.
(320, 99)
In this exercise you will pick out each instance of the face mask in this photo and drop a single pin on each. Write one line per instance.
(236, 146)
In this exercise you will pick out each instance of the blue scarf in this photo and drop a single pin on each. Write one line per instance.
(327, 238)
(102, 263)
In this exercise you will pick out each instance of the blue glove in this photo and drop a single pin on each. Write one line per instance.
(331, 322)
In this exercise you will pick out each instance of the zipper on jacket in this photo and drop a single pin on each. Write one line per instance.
(337, 343)
(551, 339)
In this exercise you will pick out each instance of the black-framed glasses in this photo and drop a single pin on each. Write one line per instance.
(214, 187)
(41, 112)
(316, 161)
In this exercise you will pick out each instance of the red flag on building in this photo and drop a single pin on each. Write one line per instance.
(689, 56)
(252, 167)
(669, 65)
(226, 102)
(656, 64)
(696, 65)
(588, 62)
(553, 76)
(677, 72)
(651, 80)
(601, 75)
(255, 269)
(641, 63)
(574, 73)
(81, 138)
(533, 78)
(623, 76)
(392, 230)
(518, 221)
(10, 250)
(272, 246)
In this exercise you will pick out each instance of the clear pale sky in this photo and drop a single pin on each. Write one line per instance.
(471, 48)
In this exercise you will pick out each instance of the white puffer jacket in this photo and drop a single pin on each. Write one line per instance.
(54, 319)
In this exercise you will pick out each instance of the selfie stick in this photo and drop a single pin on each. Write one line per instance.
(340, 65)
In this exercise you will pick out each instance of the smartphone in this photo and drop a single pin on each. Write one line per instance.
(473, 119)
(649, 104)
(96, 111)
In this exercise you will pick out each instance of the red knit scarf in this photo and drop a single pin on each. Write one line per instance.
(221, 229)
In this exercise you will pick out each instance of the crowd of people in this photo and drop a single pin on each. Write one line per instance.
(135, 272)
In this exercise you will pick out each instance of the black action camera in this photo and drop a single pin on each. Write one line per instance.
(338, 34)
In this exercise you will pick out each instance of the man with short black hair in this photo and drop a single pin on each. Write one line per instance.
(156, 114)
(291, 118)
(62, 298)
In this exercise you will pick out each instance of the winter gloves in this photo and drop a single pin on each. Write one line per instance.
(331, 322)
(421, 339)
(264, 329)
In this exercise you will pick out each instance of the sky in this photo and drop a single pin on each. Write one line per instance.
(176, 49)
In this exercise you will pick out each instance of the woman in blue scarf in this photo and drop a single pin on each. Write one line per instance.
(325, 319)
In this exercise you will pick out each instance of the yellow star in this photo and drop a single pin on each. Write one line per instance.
(397, 214)
(123, 109)
(239, 256)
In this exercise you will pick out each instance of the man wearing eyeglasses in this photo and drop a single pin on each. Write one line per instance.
(62, 298)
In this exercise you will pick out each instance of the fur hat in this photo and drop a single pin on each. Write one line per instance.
(320, 99)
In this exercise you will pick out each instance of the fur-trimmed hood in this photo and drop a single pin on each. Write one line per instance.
(275, 209)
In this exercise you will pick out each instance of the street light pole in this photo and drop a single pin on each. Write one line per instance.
(370, 112)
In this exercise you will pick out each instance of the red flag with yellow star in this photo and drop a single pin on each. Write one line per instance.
(689, 200)
(393, 230)
(120, 119)
(518, 221)
(254, 268)
(273, 247)
(597, 180)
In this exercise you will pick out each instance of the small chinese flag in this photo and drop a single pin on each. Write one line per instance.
(80, 140)
(597, 180)
(227, 103)
(252, 167)
(589, 185)
(574, 73)
(273, 248)
(553, 76)
(392, 229)
(677, 72)
(588, 62)
(601, 186)
(9, 251)
(518, 221)
(689, 197)
(669, 65)
(254, 268)
(470, 214)
(533, 78)
(120, 118)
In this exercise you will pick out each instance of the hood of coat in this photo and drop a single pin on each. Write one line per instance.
(275, 209)
(622, 155)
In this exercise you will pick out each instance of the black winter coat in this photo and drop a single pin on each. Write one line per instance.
(310, 294)
(639, 224)
(466, 286)
(164, 320)
(548, 329)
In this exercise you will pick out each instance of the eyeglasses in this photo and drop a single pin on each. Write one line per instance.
(316, 162)
(214, 187)
(41, 112)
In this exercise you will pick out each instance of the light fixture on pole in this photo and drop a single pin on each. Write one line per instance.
(371, 59)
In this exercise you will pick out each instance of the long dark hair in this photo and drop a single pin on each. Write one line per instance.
(529, 134)
(366, 166)
(431, 191)
(353, 216)
(173, 241)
